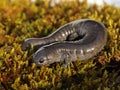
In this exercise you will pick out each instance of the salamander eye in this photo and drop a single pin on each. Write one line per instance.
(41, 60)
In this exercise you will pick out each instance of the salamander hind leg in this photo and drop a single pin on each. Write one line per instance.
(72, 36)
(26, 45)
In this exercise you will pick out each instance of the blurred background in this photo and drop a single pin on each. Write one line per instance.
(98, 2)
(21, 19)
(110, 2)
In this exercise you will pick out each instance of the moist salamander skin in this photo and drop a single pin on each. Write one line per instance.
(81, 39)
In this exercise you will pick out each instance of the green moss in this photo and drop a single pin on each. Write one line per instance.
(23, 19)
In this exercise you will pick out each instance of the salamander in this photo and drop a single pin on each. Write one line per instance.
(81, 39)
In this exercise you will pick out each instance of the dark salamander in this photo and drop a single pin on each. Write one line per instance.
(81, 39)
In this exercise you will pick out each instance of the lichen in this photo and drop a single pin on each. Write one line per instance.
(23, 19)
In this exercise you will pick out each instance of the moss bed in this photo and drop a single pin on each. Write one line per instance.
(21, 19)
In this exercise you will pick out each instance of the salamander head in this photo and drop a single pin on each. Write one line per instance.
(43, 57)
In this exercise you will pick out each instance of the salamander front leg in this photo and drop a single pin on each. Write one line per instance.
(65, 57)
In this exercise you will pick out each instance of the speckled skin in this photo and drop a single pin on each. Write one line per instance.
(78, 39)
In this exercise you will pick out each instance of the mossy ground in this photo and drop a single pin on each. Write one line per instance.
(20, 19)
